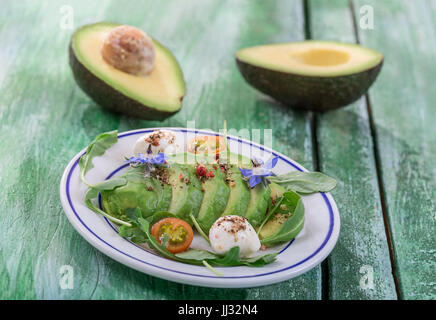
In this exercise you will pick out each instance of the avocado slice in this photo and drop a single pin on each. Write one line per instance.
(164, 194)
(133, 194)
(155, 96)
(311, 75)
(272, 228)
(258, 205)
(186, 196)
(239, 193)
(216, 194)
(276, 190)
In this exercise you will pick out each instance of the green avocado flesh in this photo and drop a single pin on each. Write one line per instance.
(258, 205)
(313, 75)
(216, 194)
(157, 95)
(273, 226)
(150, 195)
(239, 192)
(186, 192)
(182, 192)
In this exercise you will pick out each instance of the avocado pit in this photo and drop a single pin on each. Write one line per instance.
(129, 49)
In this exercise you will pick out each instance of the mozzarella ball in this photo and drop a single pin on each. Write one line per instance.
(233, 231)
(155, 142)
(129, 49)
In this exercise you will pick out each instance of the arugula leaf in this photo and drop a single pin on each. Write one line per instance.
(97, 148)
(197, 226)
(197, 254)
(106, 185)
(292, 226)
(230, 259)
(305, 182)
(134, 233)
(93, 193)
(140, 230)
(161, 215)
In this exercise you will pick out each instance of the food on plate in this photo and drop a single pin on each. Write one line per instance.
(233, 230)
(160, 199)
(180, 234)
(155, 142)
(123, 69)
(216, 194)
(314, 75)
(207, 145)
(239, 195)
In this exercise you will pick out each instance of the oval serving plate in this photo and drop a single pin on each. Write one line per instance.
(308, 249)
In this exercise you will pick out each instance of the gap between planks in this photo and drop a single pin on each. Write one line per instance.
(377, 165)
(315, 153)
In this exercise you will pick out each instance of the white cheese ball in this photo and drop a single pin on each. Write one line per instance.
(233, 231)
(155, 142)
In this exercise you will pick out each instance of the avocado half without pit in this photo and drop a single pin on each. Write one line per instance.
(311, 75)
(123, 69)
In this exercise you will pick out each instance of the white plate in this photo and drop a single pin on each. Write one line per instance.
(309, 248)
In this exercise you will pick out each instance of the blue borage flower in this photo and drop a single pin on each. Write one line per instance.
(259, 172)
(160, 158)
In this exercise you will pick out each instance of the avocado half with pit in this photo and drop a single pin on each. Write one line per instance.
(311, 75)
(157, 95)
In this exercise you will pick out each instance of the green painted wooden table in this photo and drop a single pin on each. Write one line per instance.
(381, 149)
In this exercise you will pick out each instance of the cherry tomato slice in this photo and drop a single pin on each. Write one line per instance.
(179, 232)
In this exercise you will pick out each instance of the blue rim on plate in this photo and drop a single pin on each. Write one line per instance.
(325, 198)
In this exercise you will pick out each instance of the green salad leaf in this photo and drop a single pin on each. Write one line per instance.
(196, 254)
(305, 182)
(140, 230)
(97, 148)
(293, 225)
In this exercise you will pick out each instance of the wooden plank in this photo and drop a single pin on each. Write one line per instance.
(42, 108)
(346, 153)
(403, 108)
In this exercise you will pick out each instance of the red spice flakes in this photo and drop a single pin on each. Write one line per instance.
(201, 170)
(210, 174)
(181, 177)
(215, 167)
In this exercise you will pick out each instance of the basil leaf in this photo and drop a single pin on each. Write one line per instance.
(305, 182)
(97, 148)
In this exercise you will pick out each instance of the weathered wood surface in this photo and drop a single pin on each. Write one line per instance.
(46, 119)
(404, 110)
(346, 153)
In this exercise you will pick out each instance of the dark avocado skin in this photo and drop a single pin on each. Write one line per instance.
(307, 92)
(108, 97)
